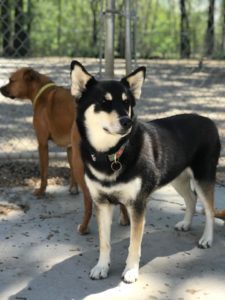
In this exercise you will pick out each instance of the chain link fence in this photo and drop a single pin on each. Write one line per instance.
(46, 35)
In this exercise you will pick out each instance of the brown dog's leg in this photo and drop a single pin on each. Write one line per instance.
(73, 184)
(83, 227)
(124, 218)
(79, 175)
(220, 214)
(43, 161)
(78, 171)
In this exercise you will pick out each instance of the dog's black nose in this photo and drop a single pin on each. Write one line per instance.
(125, 122)
(3, 90)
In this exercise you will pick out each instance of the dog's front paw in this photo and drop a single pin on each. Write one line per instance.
(39, 193)
(82, 229)
(182, 226)
(130, 275)
(74, 189)
(99, 271)
(205, 242)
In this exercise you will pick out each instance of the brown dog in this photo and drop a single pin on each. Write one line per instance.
(220, 214)
(54, 113)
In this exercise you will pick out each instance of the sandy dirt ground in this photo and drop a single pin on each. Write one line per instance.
(171, 87)
(43, 257)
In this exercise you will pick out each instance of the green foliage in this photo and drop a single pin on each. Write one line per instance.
(67, 27)
(62, 28)
(159, 27)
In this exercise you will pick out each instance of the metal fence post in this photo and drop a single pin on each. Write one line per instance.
(101, 46)
(128, 38)
(109, 39)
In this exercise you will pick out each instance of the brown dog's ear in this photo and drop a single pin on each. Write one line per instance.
(30, 74)
(134, 81)
(79, 78)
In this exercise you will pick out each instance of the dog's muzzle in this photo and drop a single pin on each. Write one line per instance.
(5, 92)
(125, 123)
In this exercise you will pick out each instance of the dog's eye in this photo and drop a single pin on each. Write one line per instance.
(105, 101)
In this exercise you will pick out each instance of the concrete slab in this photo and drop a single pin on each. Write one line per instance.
(43, 257)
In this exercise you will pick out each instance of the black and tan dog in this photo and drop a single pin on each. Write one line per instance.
(54, 113)
(126, 159)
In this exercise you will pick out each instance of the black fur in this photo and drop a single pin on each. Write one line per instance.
(154, 154)
(177, 142)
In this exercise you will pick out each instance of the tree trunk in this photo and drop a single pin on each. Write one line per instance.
(29, 19)
(209, 39)
(128, 41)
(223, 29)
(121, 34)
(5, 24)
(20, 42)
(94, 10)
(185, 48)
(109, 39)
(59, 26)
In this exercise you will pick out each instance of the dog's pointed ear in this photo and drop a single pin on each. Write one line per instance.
(79, 78)
(134, 81)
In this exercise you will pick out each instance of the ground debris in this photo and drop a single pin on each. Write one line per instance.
(7, 208)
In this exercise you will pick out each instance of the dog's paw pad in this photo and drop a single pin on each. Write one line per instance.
(99, 272)
(130, 275)
(182, 226)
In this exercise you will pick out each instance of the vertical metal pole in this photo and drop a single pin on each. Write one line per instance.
(59, 26)
(101, 40)
(128, 38)
(109, 39)
(135, 24)
(135, 41)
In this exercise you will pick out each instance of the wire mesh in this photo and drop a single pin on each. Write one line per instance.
(46, 34)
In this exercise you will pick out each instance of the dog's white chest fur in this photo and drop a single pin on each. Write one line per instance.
(124, 192)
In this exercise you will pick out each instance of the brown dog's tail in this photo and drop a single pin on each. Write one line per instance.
(220, 214)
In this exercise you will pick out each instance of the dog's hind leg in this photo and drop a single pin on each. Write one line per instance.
(124, 218)
(104, 213)
(137, 222)
(73, 184)
(43, 161)
(78, 173)
(205, 192)
(182, 185)
(204, 176)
